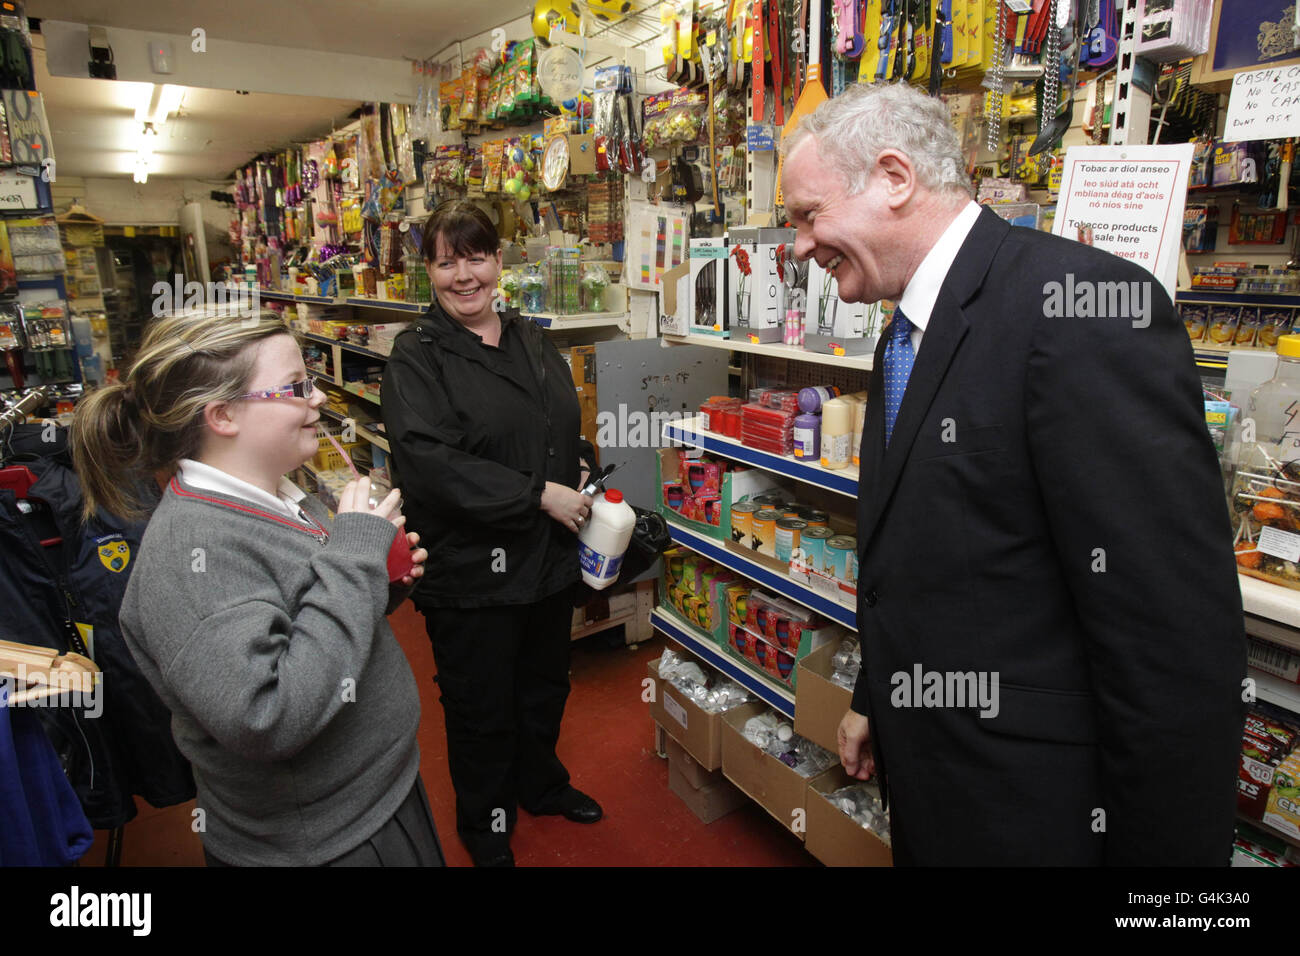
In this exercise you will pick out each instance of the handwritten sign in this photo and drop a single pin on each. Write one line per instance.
(1127, 200)
(1265, 104)
(17, 192)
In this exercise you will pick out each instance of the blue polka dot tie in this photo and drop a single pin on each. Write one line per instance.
(898, 368)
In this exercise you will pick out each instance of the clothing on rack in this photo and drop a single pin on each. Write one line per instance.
(41, 821)
(67, 597)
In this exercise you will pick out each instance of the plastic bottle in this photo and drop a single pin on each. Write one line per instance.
(603, 540)
(812, 398)
(807, 436)
(1269, 403)
(837, 433)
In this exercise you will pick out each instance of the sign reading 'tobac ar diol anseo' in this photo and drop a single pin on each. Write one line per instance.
(1265, 104)
(1127, 200)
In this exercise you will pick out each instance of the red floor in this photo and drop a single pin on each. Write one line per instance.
(607, 744)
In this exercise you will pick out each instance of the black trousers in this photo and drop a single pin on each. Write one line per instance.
(504, 677)
(409, 838)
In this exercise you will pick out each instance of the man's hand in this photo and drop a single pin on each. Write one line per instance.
(855, 746)
(418, 557)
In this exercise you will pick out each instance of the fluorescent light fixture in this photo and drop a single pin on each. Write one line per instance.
(157, 103)
(147, 140)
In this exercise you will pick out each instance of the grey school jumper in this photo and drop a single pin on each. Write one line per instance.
(288, 692)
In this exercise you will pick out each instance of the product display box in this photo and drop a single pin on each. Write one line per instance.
(820, 703)
(766, 654)
(833, 836)
(834, 326)
(733, 486)
(707, 287)
(708, 794)
(753, 283)
(695, 590)
(698, 732)
(764, 779)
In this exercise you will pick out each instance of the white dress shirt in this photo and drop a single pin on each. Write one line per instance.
(918, 298)
(206, 478)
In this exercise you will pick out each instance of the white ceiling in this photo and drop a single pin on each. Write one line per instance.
(217, 131)
(213, 133)
(382, 28)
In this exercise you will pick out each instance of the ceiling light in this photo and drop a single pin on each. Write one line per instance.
(157, 103)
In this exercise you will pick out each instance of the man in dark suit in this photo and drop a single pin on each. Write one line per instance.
(1052, 635)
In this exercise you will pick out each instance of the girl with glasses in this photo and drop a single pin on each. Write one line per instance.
(259, 620)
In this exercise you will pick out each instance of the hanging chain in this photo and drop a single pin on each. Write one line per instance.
(1051, 78)
(997, 70)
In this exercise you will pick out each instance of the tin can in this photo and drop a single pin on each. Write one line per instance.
(742, 516)
(788, 511)
(812, 542)
(841, 558)
(787, 537)
(769, 499)
(817, 519)
(763, 531)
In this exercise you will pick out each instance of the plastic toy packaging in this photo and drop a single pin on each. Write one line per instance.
(595, 280)
(532, 286)
(518, 170)
(692, 680)
(846, 663)
(511, 287)
(861, 801)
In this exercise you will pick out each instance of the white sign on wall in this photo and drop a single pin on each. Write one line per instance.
(1127, 200)
(17, 192)
(1265, 104)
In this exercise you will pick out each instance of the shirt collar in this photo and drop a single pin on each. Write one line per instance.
(919, 297)
(204, 477)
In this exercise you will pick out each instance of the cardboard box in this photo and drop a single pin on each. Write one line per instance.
(820, 703)
(737, 485)
(690, 768)
(698, 731)
(710, 802)
(1283, 811)
(833, 836)
(767, 781)
(707, 287)
(767, 656)
(753, 286)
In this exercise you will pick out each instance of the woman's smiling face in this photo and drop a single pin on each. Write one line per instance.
(465, 283)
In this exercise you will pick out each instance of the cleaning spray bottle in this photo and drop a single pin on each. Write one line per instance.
(603, 540)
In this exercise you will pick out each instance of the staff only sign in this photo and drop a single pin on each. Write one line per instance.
(1129, 201)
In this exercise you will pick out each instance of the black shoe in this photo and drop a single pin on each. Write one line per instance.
(574, 805)
(489, 850)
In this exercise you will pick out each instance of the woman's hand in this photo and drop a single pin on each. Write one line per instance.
(418, 557)
(356, 497)
(570, 508)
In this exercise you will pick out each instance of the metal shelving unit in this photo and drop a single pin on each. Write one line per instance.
(688, 431)
(705, 648)
(782, 584)
(773, 350)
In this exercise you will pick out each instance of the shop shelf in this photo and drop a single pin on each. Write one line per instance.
(416, 308)
(761, 574)
(775, 350)
(705, 648)
(1272, 602)
(295, 297)
(347, 346)
(581, 320)
(374, 438)
(1269, 829)
(688, 431)
(1277, 691)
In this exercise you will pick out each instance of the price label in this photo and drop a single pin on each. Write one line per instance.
(17, 191)
(1280, 544)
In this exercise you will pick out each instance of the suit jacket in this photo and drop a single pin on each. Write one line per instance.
(1049, 513)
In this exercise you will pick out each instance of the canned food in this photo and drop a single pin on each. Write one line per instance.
(812, 543)
(763, 531)
(742, 515)
(787, 537)
(842, 558)
(817, 519)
